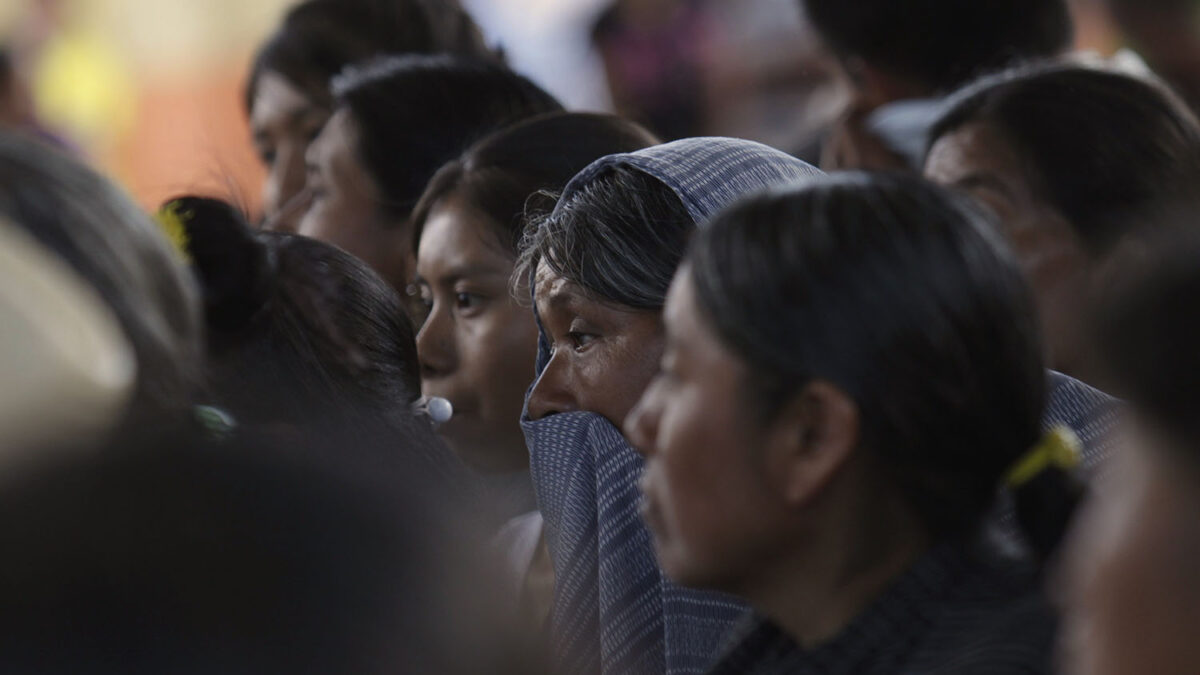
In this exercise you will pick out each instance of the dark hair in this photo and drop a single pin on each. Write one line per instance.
(504, 174)
(620, 237)
(318, 38)
(1104, 148)
(900, 294)
(942, 43)
(297, 329)
(413, 114)
(246, 556)
(119, 251)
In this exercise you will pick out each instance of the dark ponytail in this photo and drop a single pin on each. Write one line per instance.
(1043, 507)
(296, 328)
(231, 265)
(902, 295)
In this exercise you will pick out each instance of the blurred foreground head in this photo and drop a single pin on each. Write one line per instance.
(1130, 588)
(122, 256)
(300, 334)
(67, 367)
(179, 556)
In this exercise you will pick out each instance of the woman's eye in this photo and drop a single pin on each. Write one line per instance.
(468, 300)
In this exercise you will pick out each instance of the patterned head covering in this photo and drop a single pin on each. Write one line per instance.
(614, 611)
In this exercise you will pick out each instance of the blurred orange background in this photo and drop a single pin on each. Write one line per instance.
(150, 91)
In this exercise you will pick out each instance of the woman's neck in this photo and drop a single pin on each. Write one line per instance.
(833, 577)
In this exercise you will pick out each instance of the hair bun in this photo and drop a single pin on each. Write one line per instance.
(230, 263)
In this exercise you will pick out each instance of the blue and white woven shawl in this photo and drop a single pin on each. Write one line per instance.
(614, 611)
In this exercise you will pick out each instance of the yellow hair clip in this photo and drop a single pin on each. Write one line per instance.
(173, 224)
(1059, 448)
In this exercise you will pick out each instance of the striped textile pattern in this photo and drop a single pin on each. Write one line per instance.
(958, 610)
(1089, 412)
(614, 610)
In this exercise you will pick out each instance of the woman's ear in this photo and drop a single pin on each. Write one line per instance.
(809, 442)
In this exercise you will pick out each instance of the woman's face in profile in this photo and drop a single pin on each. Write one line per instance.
(345, 206)
(477, 344)
(977, 160)
(602, 355)
(707, 497)
(283, 122)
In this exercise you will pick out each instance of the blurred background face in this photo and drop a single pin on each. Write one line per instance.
(603, 355)
(345, 208)
(1130, 591)
(283, 122)
(977, 160)
(706, 497)
(478, 345)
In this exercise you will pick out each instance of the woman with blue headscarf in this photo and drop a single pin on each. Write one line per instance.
(600, 267)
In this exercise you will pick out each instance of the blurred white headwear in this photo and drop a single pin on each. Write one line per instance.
(67, 371)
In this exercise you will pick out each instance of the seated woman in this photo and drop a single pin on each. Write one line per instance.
(1130, 590)
(287, 95)
(852, 370)
(396, 121)
(300, 335)
(1073, 160)
(477, 344)
(600, 266)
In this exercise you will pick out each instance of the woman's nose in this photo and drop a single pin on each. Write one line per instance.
(552, 393)
(641, 424)
(435, 345)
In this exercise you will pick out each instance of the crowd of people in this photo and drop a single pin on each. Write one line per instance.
(491, 386)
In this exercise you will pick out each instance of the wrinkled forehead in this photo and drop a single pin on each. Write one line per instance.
(549, 284)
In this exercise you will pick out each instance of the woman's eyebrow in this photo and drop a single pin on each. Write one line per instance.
(461, 272)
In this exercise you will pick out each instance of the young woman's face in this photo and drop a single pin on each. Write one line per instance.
(976, 159)
(283, 122)
(346, 206)
(478, 345)
(603, 355)
(707, 500)
(1130, 594)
